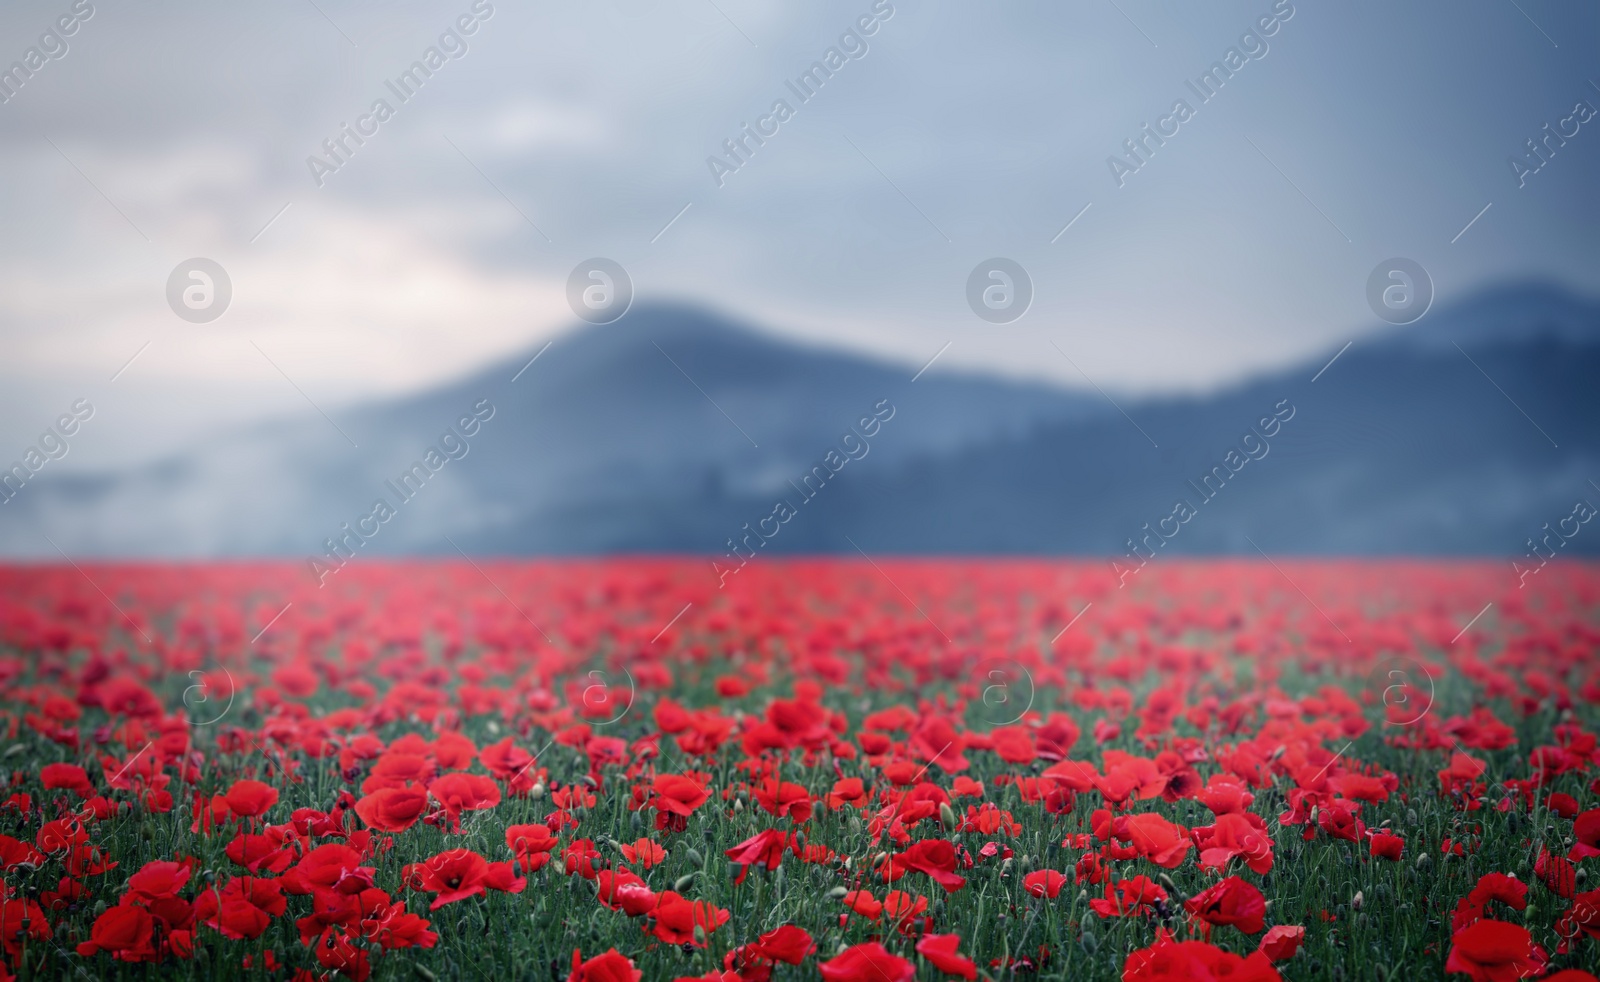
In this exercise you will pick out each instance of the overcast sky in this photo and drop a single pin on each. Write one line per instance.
(963, 131)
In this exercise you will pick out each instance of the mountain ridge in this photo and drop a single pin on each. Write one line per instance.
(670, 429)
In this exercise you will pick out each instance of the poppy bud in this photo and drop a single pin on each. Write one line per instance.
(947, 816)
(699, 936)
(1423, 861)
(818, 809)
(854, 825)
(1089, 942)
(695, 859)
(684, 882)
(1357, 900)
(423, 973)
(837, 893)
(536, 792)
(738, 806)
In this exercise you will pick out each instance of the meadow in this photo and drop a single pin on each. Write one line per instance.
(850, 770)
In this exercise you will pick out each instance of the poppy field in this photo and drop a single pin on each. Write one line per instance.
(859, 771)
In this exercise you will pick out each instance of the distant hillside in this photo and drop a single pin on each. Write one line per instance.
(673, 428)
(626, 413)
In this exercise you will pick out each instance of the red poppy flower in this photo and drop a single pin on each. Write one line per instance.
(1564, 805)
(1583, 916)
(330, 866)
(1495, 951)
(1557, 874)
(787, 944)
(940, 951)
(1244, 835)
(644, 852)
(1282, 941)
(1044, 883)
(69, 777)
(847, 791)
(1225, 794)
(903, 908)
(677, 918)
(869, 962)
(1586, 835)
(782, 798)
(764, 848)
(1014, 744)
(622, 889)
(677, 794)
(1387, 845)
(392, 809)
(531, 844)
(1126, 897)
(1339, 820)
(864, 903)
(243, 908)
(1160, 841)
(1169, 960)
(60, 835)
(989, 819)
(248, 799)
(13, 915)
(613, 966)
(1231, 901)
(335, 949)
(935, 857)
(268, 853)
(125, 932)
(457, 874)
(15, 852)
(458, 792)
(397, 770)
(158, 880)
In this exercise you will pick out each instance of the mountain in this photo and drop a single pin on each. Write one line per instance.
(670, 403)
(677, 430)
(1461, 435)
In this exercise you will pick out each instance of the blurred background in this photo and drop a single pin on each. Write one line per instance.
(988, 229)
